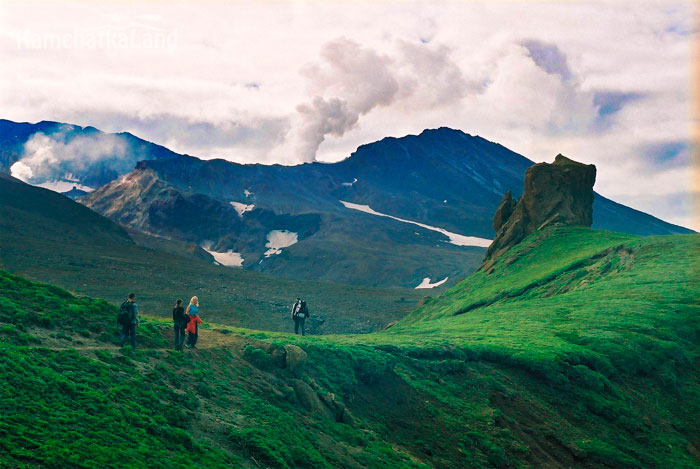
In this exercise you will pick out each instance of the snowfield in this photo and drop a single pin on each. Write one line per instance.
(242, 208)
(228, 258)
(278, 239)
(456, 239)
(426, 283)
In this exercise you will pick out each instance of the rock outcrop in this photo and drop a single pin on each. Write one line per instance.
(557, 193)
(295, 360)
(504, 211)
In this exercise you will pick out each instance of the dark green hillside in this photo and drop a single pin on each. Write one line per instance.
(72, 399)
(48, 237)
(579, 349)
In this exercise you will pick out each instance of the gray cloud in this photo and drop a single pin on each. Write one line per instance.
(433, 76)
(611, 102)
(548, 57)
(249, 141)
(669, 154)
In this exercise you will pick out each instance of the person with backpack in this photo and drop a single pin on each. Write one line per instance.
(192, 328)
(180, 320)
(299, 314)
(128, 319)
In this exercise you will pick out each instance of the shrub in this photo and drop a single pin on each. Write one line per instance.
(258, 357)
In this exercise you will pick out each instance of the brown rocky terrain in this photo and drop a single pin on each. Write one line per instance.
(556, 193)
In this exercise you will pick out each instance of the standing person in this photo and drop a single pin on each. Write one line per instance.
(299, 314)
(194, 322)
(180, 320)
(129, 320)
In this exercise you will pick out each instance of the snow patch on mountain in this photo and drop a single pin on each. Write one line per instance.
(456, 239)
(228, 258)
(350, 184)
(426, 283)
(279, 239)
(247, 193)
(242, 208)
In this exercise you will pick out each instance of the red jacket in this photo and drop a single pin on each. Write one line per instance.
(192, 325)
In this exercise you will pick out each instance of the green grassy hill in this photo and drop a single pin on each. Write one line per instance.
(48, 237)
(579, 349)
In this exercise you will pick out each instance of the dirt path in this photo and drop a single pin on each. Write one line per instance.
(208, 339)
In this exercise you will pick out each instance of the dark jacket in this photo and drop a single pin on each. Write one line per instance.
(179, 314)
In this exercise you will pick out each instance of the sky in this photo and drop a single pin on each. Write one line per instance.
(608, 83)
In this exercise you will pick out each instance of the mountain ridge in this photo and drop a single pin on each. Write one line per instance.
(441, 178)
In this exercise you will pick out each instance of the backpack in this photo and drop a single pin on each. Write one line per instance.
(302, 312)
(125, 314)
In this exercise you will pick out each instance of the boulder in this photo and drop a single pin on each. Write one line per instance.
(558, 193)
(295, 359)
(340, 412)
(309, 400)
(278, 355)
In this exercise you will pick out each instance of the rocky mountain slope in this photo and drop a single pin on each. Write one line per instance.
(335, 245)
(142, 201)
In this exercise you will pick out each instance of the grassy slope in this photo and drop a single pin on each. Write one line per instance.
(72, 398)
(47, 237)
(592, 340)
(579, 349)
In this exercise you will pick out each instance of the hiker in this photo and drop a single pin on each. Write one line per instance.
(299, 314)
(180, 321)
(128, 319)
(194, 321)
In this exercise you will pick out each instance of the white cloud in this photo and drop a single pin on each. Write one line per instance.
(51, 157)
(289, 82)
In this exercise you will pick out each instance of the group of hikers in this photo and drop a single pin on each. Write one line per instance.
(188, 320)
